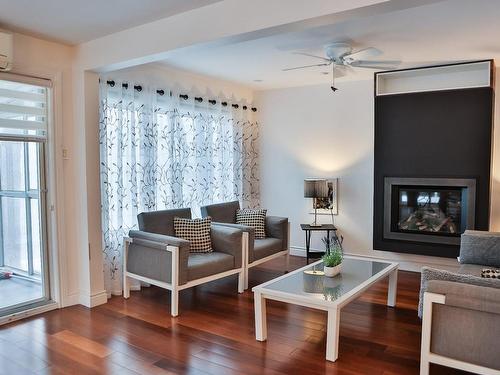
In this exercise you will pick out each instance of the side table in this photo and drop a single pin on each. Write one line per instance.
(309, 229)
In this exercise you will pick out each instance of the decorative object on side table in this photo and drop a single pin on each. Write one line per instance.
(329, 204)
(332, 260)
(315, 188)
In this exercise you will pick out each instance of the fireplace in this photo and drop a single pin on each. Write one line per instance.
(432, 210)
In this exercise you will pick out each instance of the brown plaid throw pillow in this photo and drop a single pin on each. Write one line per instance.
(255, 218)
(196, 231)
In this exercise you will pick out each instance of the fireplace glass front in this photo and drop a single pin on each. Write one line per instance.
(428, 209)
(432, 210)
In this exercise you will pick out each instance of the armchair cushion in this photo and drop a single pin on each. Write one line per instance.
(255, 218)
(478, 247)
(221, 212)
(161, 222)
(196, 231)
(207, 264)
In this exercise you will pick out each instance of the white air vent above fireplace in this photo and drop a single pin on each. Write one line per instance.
(435, 78)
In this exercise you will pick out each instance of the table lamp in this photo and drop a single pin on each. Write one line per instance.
(315, 188)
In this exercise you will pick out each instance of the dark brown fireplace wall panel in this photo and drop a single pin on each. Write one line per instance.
(440, 134)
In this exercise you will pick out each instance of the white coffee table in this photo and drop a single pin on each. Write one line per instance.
(324, 293)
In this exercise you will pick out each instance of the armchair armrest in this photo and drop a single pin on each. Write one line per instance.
(277, 227)
(228, 240)
(429, 274)
(461, 322)
(159, 239)
(245, 228)
(467, 296)
(147, 256)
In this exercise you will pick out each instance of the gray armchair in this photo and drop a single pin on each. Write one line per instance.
(461, 310)
(154, 255)
(257, 250)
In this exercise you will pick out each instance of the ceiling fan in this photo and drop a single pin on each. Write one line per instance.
(341, 58)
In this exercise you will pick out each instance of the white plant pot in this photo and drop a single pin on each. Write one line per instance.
(332, 271)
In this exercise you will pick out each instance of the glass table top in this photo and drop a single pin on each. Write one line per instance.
(305, 284)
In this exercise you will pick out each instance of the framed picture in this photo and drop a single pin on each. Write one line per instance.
(328, 206)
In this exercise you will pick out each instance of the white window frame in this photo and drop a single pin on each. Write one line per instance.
(53, 166)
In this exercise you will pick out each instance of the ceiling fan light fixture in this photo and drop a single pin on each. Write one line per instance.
(342, 55)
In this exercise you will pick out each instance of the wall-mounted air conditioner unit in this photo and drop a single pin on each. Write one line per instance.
(6, 51)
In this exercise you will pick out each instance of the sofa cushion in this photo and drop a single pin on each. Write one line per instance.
(203, 265)
(478, 247)
(255, 218)
(196, 231)
(266, 246)
(221, 212)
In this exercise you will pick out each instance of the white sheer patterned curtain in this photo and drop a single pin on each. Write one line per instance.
(161, 151)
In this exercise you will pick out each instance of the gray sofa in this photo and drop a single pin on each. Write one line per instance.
(460, 310)
(154, 255)
(258, 251)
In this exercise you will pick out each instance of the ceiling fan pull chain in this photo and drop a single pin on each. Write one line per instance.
(333, 78)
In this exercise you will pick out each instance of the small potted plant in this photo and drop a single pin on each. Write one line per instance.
(332, 260)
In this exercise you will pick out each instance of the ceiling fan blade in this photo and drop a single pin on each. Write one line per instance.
(308, 54)
(363, 53)
(305, 66)
(344, 68)
(377, 67)
(375, 62)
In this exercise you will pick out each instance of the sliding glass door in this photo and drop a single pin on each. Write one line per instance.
(23, 229)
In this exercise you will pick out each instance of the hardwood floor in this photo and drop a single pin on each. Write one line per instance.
(214, 334)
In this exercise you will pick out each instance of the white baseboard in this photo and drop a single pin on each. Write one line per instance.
(70, 300)
(413, 265)
(298, 251)
(93, 300)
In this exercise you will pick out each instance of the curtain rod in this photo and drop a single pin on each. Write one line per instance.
(184, 96)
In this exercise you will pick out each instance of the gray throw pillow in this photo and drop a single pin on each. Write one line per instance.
(478, 247)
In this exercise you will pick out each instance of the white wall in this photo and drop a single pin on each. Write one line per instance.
(77, 202)
(45, 59)
(310, 132)
(243, 20)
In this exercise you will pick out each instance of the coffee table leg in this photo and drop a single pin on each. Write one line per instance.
(260, 317)
(332, 335)
(393, 288)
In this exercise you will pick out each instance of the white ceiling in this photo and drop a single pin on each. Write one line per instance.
(442, 32)
(77, 21)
